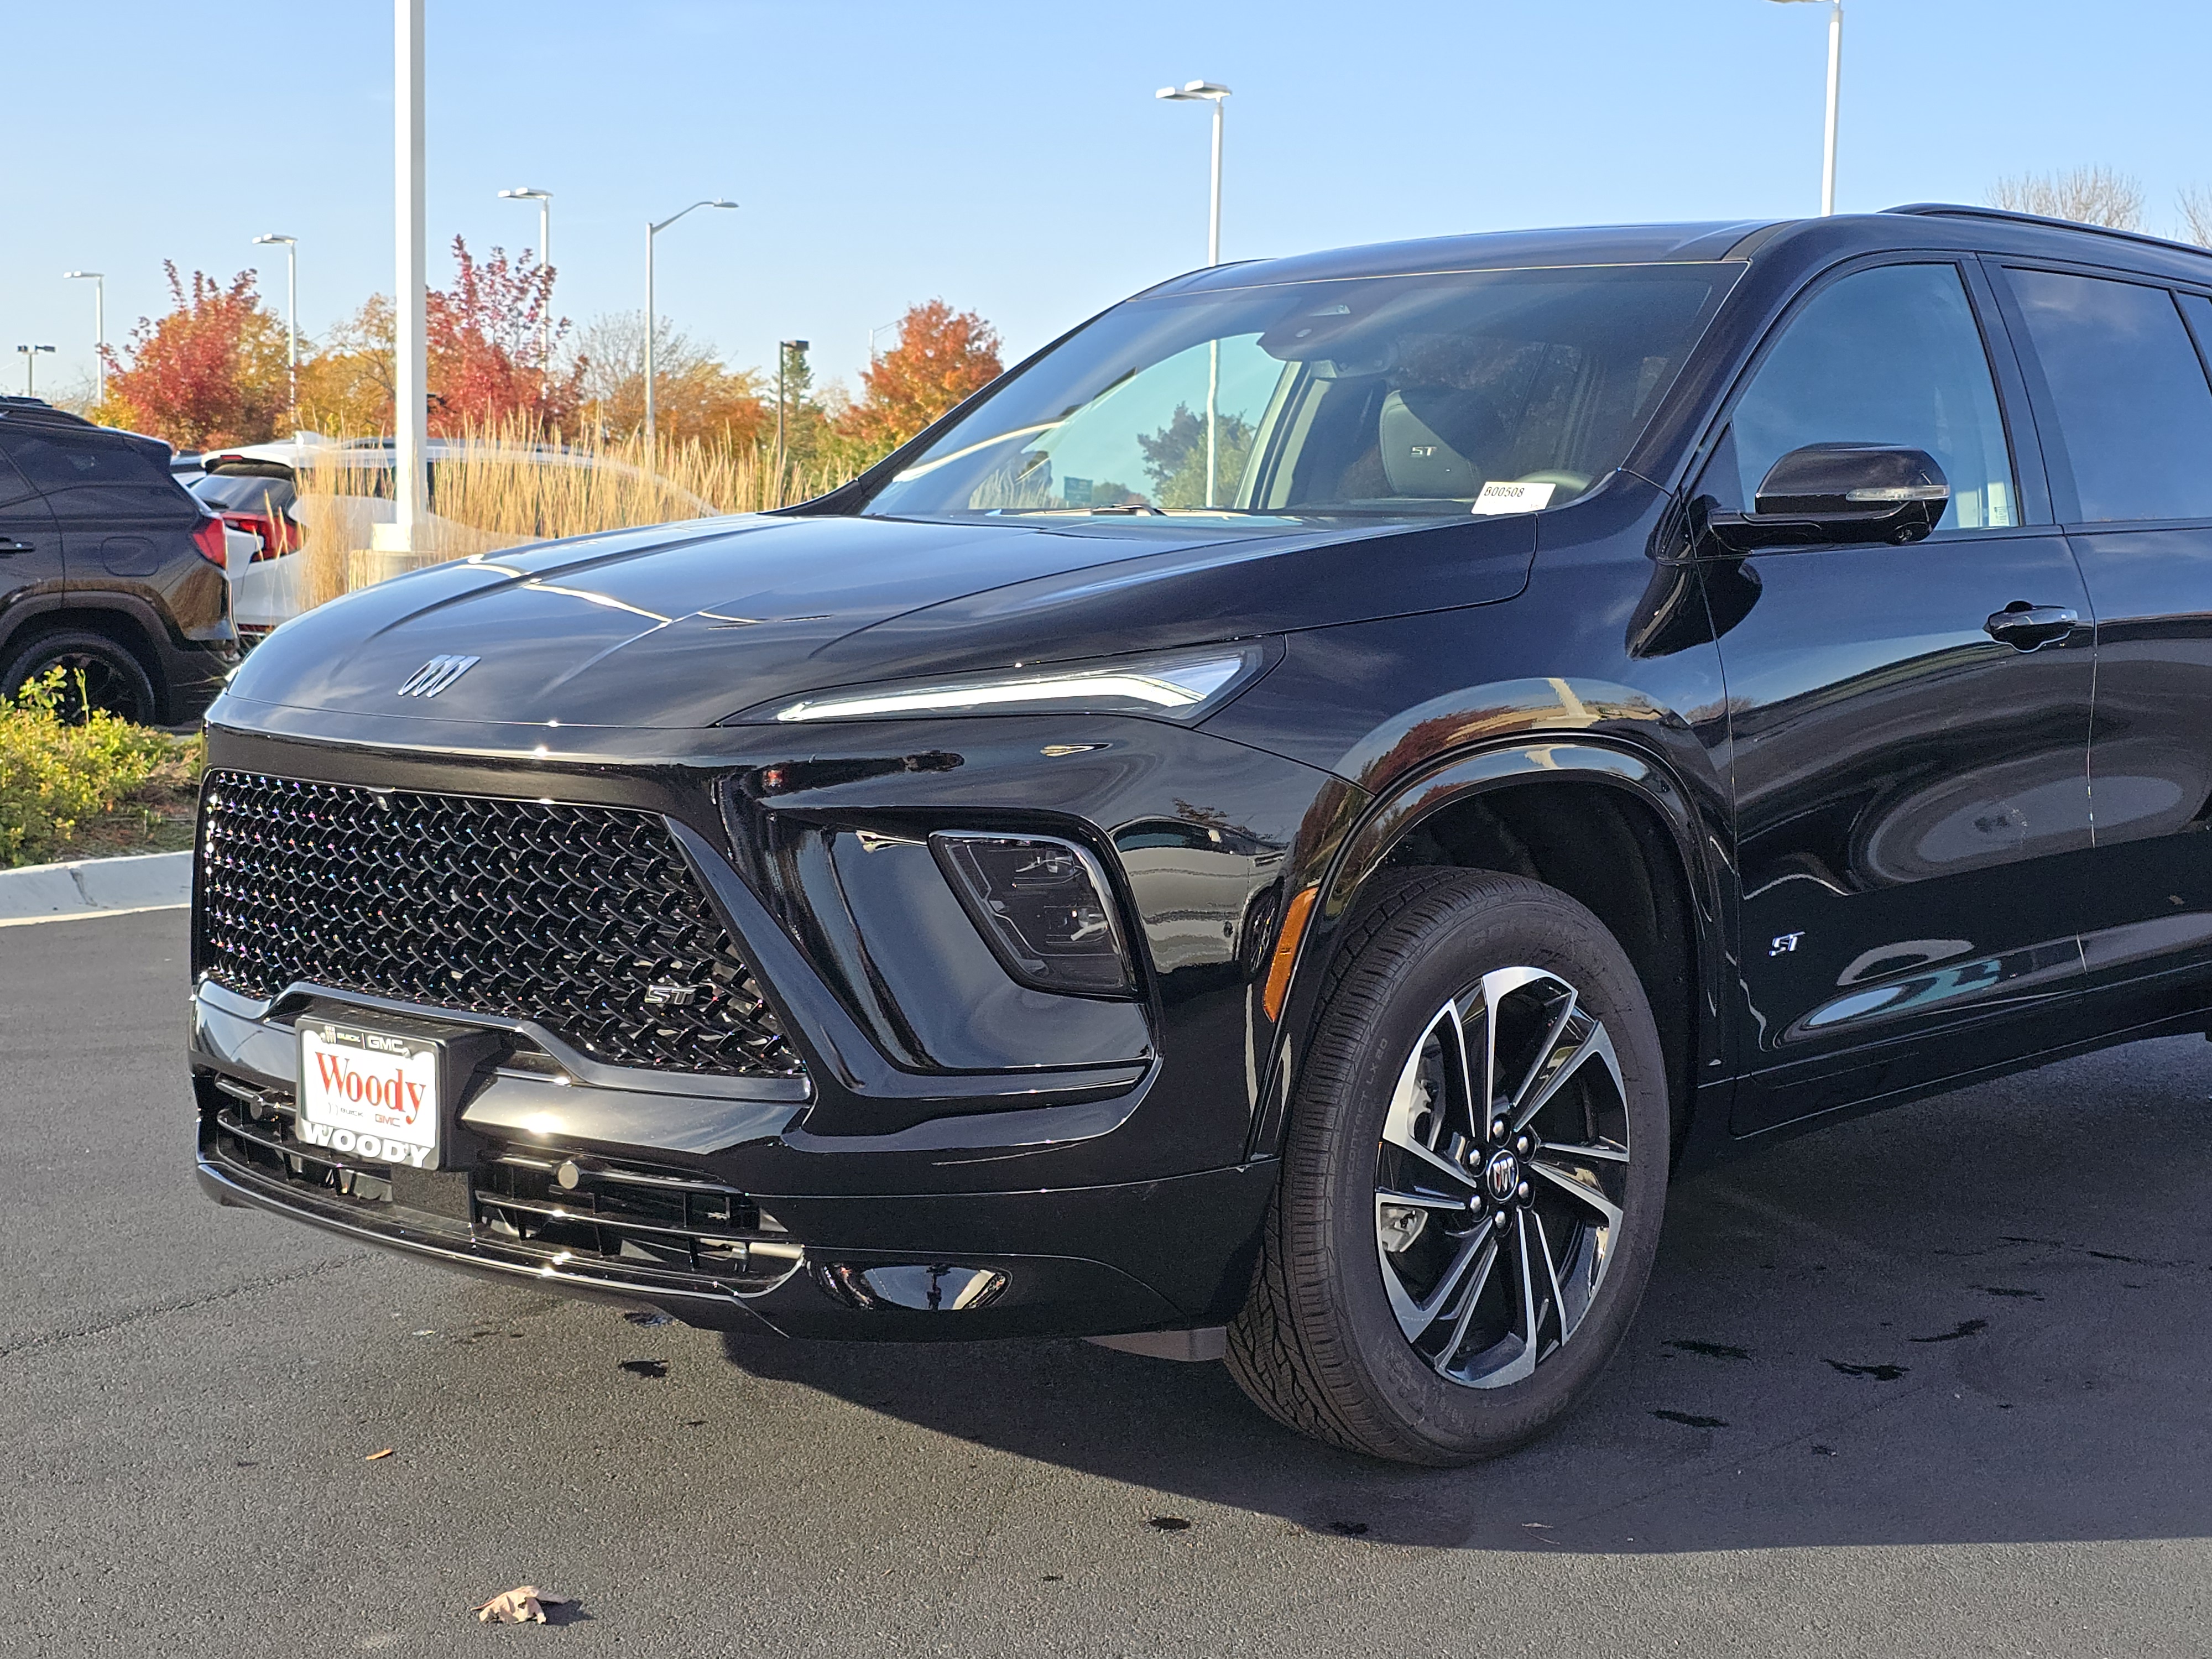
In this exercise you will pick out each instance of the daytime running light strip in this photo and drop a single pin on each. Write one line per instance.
(1203, 681)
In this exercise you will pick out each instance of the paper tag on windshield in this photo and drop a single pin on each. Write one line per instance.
(1513, 498)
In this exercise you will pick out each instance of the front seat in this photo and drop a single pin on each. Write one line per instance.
(1439, 442)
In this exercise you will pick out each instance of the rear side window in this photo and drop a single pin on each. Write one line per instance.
(13, 487)
(88, 480)
(1890, 356)
(2135, 412)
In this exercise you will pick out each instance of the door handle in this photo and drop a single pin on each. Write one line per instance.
(2024, 626)
(6, 547)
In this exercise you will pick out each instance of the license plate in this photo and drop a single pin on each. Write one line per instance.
(367, 1094)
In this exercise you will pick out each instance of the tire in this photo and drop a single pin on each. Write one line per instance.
(112, 678)
(1357, 1331)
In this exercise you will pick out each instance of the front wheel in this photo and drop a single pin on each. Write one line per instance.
(1473, 1178)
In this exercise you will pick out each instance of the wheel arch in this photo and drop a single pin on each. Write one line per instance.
(1605, 824)
(116, 619)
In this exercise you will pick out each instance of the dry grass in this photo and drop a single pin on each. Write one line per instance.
(515, 484)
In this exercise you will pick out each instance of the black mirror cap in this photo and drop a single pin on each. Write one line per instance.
(1829, 494)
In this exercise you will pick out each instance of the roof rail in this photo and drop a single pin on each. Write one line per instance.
(1954, 210)
(39, 409)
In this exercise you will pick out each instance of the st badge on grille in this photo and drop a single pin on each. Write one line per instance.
(435, 675)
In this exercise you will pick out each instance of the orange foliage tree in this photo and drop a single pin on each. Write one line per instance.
(490, 349)
(942, 356)
(209, 372)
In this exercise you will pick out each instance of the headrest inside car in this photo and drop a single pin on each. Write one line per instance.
(1437, 440)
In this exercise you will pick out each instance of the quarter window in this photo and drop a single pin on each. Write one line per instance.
(1890, 356)
(2135, 413)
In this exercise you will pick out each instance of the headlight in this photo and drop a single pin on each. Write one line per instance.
(1182, 685)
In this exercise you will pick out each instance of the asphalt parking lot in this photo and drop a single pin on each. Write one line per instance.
(1933, 1382)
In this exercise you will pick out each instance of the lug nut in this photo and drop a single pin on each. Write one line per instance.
(1522, 1191)
(1499, 1219)
(1524, 1145)
(1498, 1128)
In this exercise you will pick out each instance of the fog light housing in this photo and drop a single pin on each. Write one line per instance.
(1044, 907)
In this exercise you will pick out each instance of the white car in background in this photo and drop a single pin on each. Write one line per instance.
(269, 517)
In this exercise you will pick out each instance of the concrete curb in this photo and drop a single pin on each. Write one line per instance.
(83, 887)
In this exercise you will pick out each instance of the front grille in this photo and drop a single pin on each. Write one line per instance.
(612, 1220)
(584, 919)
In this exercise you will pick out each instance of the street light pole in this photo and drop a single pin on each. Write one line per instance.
(1835, 100)
(98, 280)
(652, 230)
(544, 200)
(1214, 93)
(291, 309)
(411, 411)
(30, 368)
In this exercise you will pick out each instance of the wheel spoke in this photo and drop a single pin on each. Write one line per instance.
(1583, 1191)
(1487, 1260)
(1596, 1152)
(1435, 1162)
(1551, 1273)
(1497, 986)
(1595, 1044)
(1543, 1052)
(1420, 1201)
(1414, 1317)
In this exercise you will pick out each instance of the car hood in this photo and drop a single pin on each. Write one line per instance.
(684, 625)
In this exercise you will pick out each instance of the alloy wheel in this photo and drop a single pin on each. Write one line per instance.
(1500, 1177)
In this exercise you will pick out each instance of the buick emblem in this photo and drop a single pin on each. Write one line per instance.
(1502, 1176)
(435, 675)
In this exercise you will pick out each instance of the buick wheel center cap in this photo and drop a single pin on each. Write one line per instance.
(1501, 1175)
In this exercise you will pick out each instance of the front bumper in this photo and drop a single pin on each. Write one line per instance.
(1087, 1195)
(1159, 1234)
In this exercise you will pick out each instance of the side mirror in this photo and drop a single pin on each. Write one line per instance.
(1828, 494)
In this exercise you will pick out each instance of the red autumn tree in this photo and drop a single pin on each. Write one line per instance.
(942, 356)
(490, 349)
(209, 372)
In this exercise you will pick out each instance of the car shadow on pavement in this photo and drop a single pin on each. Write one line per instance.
(1982, 1318)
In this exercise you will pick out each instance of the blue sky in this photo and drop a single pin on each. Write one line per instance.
(1008, 156)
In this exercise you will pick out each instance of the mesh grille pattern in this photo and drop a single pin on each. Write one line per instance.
(585, 919)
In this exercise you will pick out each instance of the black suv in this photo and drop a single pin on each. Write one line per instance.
(1297, 810)
(109, 570)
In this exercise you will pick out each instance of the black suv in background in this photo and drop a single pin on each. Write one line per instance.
(109, 568)
(1299, 810)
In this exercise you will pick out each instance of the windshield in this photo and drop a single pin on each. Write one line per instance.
(1391, 397)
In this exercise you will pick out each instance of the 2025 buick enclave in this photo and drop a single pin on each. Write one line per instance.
(1295, 810)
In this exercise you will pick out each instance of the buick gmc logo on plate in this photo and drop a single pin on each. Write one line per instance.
(435, 675)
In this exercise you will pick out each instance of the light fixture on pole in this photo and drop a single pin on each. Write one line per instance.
(1835, 93)
(291, 246)
(1209, 92)
(783, 351)
(880, 328)
(98, 280)
(1206, 92)
(30, 368)
(652, 230)
(544, 200)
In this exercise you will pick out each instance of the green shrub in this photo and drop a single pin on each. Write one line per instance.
(60, 779)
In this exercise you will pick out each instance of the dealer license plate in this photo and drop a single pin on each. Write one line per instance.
(370, 1095)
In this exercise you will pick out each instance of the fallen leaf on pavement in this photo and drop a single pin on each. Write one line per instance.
(524, 1605)
(373, 1455)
